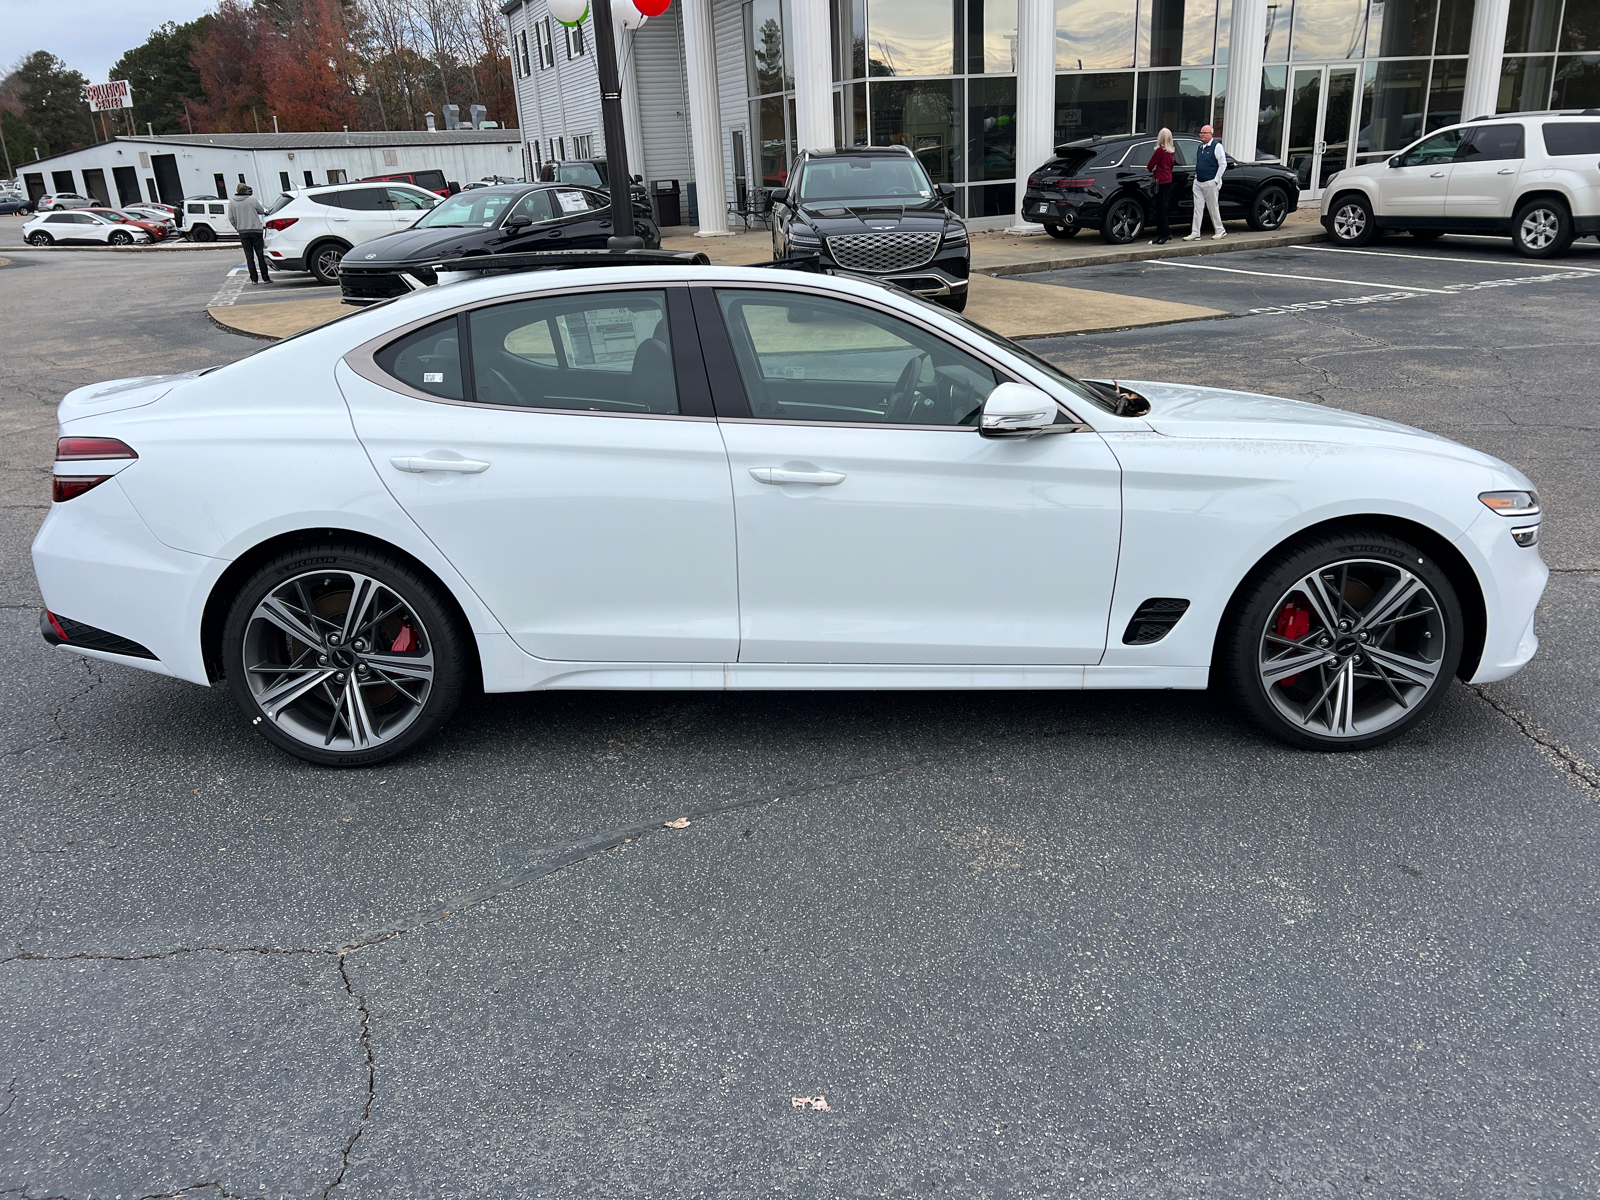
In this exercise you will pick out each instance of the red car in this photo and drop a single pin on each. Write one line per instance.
(156, 229)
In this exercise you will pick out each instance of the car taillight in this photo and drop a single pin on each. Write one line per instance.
(1033, 181)
(1079, 184)
(80, 449)
(279, 224)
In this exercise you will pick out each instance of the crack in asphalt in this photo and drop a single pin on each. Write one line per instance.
(372, 1079)
(195, 1187)
(157, 956)
(1560, 755)
(60, 711)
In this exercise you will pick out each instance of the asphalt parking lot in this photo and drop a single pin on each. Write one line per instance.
(1095, 944)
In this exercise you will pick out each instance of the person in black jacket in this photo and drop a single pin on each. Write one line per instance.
(1160, 166)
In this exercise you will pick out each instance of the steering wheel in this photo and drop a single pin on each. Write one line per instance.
(515, 391)
(904, 396)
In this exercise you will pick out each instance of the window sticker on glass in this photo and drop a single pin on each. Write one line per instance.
(433, 377)
(572, 202)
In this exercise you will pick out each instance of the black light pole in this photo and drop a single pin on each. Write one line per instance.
(616, 139)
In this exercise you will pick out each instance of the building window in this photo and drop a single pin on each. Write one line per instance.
(283, 181)
(547, 50)
(574, 41)
(336, 176)
(1093, 105)
(924, 116)
(310, 182)
(222, 186)
(583, 146)
(522, 53)
(912, 37)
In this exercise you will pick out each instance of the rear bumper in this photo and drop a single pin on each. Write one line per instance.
(285, 262)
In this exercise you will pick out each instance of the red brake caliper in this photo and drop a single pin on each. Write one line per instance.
(1294, 623)
(406, 639)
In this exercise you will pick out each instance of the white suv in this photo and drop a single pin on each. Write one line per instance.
(1532, 176)
(310, 229)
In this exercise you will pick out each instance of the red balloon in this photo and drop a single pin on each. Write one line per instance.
(652, 8)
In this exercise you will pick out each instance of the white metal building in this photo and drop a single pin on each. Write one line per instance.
(721, 93)
(170, 168)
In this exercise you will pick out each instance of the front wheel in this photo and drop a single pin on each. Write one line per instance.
(343, 656)
(1542, 229)
(1124, 221)
(325, 260)
(1269, 209)
(40, 238)
(1342, 642)
(120, 238)
(1351, 222)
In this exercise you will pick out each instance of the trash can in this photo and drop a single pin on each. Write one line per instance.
(669, 205)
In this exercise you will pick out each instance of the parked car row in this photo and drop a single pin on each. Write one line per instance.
(93, 225)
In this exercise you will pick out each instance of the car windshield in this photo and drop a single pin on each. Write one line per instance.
(467, 210)
(586, 174)
(855, 179)
(110, 218)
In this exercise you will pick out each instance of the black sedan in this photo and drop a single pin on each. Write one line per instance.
(508, 219)
(1105, 184)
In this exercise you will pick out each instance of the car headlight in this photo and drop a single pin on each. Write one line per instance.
(1512, 503)
(957, 236)
(804, 237)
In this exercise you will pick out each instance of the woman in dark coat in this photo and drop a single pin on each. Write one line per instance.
(1160, 165)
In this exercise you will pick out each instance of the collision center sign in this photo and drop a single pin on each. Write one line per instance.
(116, 94)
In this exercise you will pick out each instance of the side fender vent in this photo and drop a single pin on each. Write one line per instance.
(1153, 620)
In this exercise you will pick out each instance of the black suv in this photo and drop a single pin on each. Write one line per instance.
(1105, 184)
(590, 173)
(873, 211)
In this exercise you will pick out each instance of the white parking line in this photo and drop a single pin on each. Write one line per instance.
(1477, 262)
(228, 293)
(1409, 287)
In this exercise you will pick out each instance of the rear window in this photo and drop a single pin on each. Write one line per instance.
(1577, 137)
(1068, 164)
(432, 180)
(429, 360)
(283, 199)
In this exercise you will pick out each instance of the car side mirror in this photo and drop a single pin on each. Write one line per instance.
(1017, 410)
(519, 221)
(1395, 161)
(947, 192)
(778, 196)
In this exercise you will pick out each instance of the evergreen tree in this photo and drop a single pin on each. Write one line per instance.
(51, 100)
(162, 76)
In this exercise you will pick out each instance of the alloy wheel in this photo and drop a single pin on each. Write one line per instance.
(1352, 648)
(1271, 208)
(1540, 227)
(338, 661)
(1127, 220)
(327, 262)
(1349, 222)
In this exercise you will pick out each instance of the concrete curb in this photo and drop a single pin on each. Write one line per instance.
(1144, 253)
(183, 246)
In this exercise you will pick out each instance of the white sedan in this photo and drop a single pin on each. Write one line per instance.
(48, 228)
(670, 476)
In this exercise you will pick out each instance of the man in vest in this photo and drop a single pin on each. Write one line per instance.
(1209, 166)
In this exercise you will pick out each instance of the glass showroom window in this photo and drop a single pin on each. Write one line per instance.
(1093, 105)
(1175, 100)
(1532, 76)
(924, 115)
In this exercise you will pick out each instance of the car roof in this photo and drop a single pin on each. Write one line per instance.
(861, 152)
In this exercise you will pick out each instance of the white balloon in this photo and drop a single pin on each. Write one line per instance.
(571, 12)
(626, 15)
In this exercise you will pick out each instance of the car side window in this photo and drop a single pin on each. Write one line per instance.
(1491, 142)
(1185, 151)
(595, 352)
(59, 219)
(1572, 137)
(402, 200)
(364, 199)
(428, 359)
(814, 358)
(570, 202)
(1440, 148)
(535, 206)
(1139, 154)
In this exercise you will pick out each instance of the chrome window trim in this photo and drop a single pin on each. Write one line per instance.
(1007, 373)
(363, 359)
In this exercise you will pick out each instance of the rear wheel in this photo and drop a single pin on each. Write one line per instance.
(1124, 221)
(1063, 231)
(343, 656)
(324, 260)
(1350, 221)
(1542, 229)
(1342, 642)
(202, 233)
(1270, 208)
(40, 238)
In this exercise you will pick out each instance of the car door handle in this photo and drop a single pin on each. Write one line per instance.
(1506, 171)
(780, 475)
(421, 463)
(1437, 175)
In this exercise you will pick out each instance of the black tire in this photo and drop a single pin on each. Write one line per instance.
(1270, 208)
(1264, 613)
(202, 233)
(323, 259)
(1350, 221)
(1426, 235)
(1542, 228)
(1123, 221)
(956, 302)
(120, 237)
(440, 635)
(40, 238)
(1063, 232)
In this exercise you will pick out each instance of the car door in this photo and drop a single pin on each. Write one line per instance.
(361, 214)
(406, 206)
(1484, 176)
(544, 230)
(1417, 181)
(562, 453)
(875, 524)
(1184, 150)
(583, 219)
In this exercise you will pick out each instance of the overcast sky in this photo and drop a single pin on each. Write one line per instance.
(89, 34)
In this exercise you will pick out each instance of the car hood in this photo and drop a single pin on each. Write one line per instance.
(415, 246)
(116, 395)
(1182, 410)
(832, 219)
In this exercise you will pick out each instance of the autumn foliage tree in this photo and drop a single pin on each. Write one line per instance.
(310, 69)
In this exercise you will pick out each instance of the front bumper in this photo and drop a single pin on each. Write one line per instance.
(1513, 579)
(945, 275)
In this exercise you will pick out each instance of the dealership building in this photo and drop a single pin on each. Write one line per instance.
(169, 168)
(719, 94)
